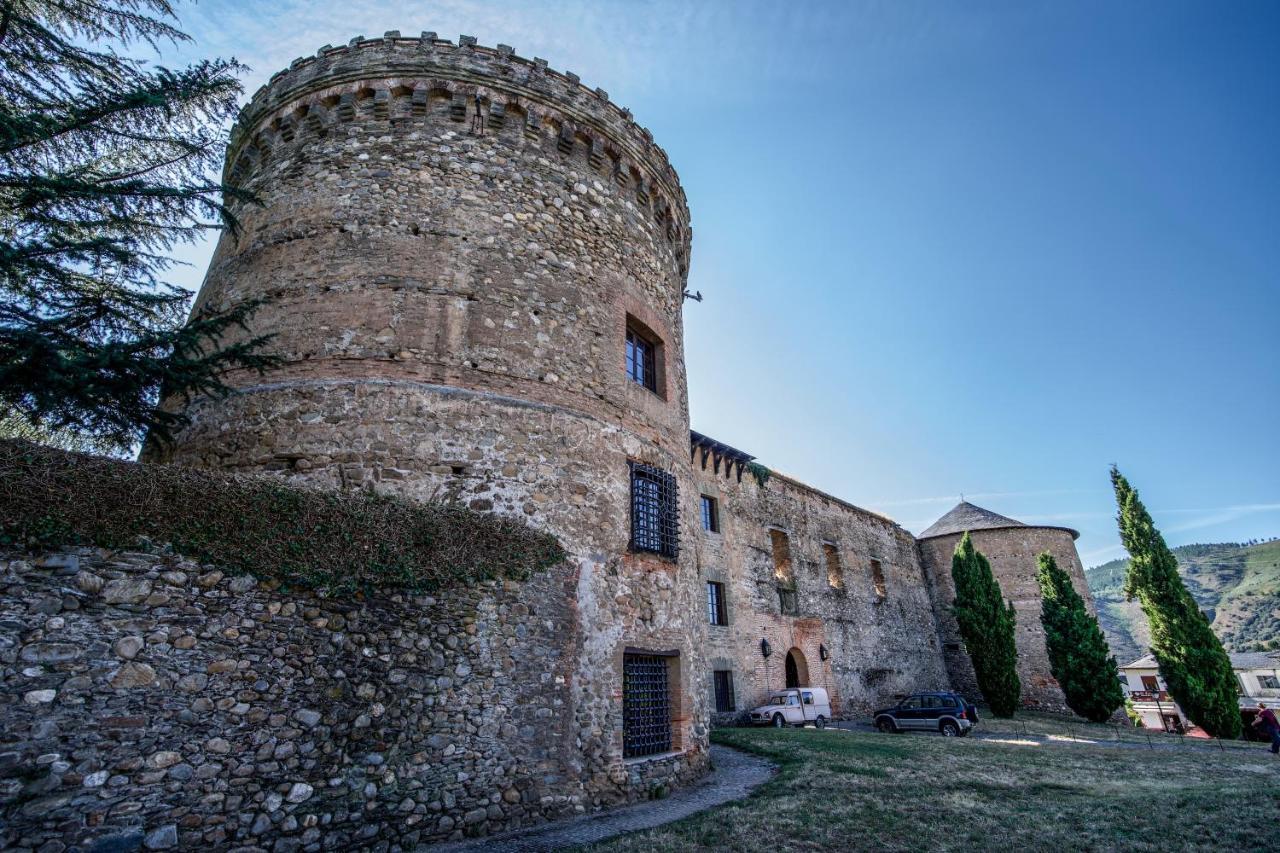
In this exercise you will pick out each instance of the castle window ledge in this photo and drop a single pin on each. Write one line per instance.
(646, 759)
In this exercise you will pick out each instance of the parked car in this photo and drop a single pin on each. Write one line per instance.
(794, 708)
(948, 713)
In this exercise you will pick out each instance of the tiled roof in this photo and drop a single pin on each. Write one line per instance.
(1239, 660)
(965, 516)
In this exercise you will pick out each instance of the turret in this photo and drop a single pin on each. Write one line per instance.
(1012, 548)
(473, 267)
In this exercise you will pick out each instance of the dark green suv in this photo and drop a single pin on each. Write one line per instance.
(950, 714)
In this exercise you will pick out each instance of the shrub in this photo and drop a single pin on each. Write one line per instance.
(250, 524)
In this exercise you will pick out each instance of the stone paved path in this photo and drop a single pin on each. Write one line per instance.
(736, 774)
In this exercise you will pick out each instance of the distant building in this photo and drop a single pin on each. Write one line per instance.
(1257, 677)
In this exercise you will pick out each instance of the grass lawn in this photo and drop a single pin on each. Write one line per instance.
(1066, 728)
(856, 791)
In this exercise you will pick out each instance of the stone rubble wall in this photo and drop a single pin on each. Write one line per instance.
(878, 648)
(148, 700)
(1013, 553)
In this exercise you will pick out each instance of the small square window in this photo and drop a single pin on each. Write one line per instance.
(716, 613)
(710, 514)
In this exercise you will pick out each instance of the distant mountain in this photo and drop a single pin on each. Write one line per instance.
(1236, 584)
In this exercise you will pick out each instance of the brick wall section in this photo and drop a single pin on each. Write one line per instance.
(878, 648)
(1012, 552)
(148, 697)
(449, 284)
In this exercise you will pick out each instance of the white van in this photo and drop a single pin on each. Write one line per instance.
(796, 707)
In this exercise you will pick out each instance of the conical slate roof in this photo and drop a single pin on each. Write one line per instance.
(965, 516)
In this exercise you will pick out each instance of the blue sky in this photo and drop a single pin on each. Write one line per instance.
(979, 248)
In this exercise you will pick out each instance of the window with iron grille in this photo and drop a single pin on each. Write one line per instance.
(642, 357)
(710, 514)
(724, 690)
(715, 604)
(646, 706)
(654, 511)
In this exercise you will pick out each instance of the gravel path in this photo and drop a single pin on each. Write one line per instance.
(736, 774)
(1158, 742)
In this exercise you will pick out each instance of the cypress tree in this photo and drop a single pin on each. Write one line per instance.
(104, 166)
(1195, 667)
(987, 626)
(1079, 657)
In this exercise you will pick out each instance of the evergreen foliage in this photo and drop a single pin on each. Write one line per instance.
(987, 626)
(341, 542)
(1191, 658)
(104, 167)
(1078, 654)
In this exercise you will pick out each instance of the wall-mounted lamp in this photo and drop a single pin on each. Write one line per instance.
(823, 653)
(765, 648)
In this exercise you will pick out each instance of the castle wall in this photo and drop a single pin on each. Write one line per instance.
(450, 282)
(879, 647)
(1012, 552)
(145, 696)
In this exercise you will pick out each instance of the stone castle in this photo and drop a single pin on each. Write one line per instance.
(474, 267)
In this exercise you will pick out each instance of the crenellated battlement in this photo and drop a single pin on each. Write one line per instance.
(426, 78)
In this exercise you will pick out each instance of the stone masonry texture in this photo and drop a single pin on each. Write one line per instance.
(878, 647)
(1012, 552)
(151, 701)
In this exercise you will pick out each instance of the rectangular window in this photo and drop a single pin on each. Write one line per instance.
(1269, 682)
(715, 604)
(877, 579)
(644, 356)
(781, 557)
(835, 572)
(787, 604)
(646, 706)
(1150, 684)
(710, 515)
(655, 521)
(723, 680)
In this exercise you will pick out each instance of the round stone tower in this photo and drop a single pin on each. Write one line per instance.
(473, 267)
(1012, 548)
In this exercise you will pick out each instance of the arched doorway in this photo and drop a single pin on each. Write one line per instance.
(797, 669)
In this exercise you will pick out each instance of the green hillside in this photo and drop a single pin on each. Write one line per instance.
(1237, 585)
